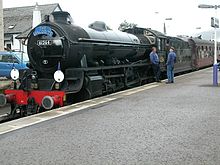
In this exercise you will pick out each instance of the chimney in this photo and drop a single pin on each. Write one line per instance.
(36, 16)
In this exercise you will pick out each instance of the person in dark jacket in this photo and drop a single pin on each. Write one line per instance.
(155, 64)
(171, 58)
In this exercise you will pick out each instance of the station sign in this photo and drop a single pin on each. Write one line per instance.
(214, 22)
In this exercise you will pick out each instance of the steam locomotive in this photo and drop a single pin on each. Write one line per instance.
(70, 63)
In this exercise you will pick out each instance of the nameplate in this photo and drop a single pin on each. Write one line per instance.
(43, 30)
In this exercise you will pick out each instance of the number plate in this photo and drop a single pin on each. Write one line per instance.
(44, 42)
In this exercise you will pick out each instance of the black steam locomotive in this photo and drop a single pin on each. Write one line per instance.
(69, 63)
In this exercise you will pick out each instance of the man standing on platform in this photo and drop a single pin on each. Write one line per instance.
(155, 64)
(171, 58)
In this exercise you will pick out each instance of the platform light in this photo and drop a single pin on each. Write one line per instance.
(169, 19)
(204, 6)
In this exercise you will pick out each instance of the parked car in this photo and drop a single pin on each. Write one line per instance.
(10, 60)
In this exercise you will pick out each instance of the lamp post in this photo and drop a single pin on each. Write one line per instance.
(162, 19)
(164, 25)
(215, 25)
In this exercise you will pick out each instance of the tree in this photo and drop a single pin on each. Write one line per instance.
(126, 25)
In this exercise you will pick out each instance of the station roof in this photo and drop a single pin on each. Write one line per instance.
(19, 19)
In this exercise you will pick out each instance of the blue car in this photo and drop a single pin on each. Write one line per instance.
(8, 60)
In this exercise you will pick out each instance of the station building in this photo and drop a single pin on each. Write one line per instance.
(18, 22)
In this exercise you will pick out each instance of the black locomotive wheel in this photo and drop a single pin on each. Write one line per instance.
(83, 95)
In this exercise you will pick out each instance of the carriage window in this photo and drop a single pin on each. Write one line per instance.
(202, 48)
(199, 52)
(210, 48)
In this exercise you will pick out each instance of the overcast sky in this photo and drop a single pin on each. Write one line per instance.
(184, 13)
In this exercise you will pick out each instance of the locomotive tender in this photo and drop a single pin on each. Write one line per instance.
(69, 63)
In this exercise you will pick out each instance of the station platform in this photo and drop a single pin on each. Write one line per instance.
(153, 124)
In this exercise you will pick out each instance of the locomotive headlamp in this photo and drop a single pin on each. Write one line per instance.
(14, 74)
(58, 76)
